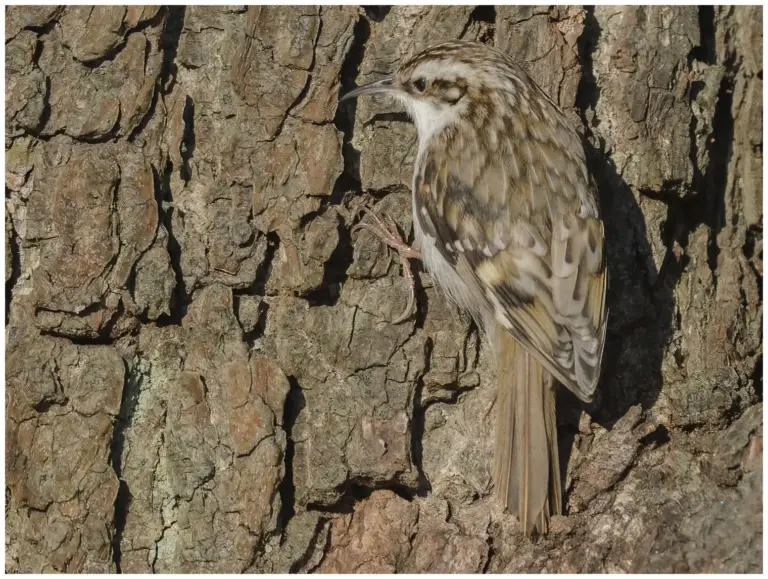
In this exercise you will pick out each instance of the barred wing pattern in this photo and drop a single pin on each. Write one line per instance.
(519, 224)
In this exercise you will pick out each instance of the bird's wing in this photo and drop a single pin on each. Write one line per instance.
(521, 221)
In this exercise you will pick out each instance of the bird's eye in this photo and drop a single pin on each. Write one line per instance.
(420, 84)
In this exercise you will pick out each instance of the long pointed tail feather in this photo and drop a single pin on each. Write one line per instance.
(526, 463)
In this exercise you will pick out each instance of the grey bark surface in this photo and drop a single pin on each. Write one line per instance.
(201, 375)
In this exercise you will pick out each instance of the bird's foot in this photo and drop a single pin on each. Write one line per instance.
(385, 228)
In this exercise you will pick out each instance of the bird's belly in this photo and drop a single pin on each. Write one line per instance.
(443, 273)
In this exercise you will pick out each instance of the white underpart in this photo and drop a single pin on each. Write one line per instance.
(446, 277)
(430, 118)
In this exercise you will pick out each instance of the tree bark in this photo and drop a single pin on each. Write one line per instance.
(201, 375)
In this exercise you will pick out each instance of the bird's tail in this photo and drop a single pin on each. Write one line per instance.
(526, 464)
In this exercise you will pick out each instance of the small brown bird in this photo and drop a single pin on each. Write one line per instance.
(506, 218)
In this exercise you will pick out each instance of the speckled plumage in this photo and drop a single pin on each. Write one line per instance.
(507, 221)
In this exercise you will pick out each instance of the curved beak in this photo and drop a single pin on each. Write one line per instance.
(383, 85)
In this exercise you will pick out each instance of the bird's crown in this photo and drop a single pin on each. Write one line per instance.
(449, 70)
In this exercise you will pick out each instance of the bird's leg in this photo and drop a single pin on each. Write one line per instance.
(385, 228)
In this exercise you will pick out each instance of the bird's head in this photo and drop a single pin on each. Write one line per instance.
(438, 85)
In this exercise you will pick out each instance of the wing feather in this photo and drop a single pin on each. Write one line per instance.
(531, 247)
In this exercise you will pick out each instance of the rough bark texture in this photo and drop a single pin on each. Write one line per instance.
(201, 375)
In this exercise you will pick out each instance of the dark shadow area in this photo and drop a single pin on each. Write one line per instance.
(334, 269)
(757, 378)
(358, 489)
(568, 413)
(659, 436)
(706, 50)
(180, 298)
(484, 14)
(130, 398)
(346, 111)
(250, 336)
(187, 146)
(174, 24)
(640, 300)
(15, 264)
(395, 117)
(294, 404)
(418, 415)
(588, 92)
(377, 13)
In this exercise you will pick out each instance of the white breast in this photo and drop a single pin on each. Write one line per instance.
(430, 118)
(443, 273)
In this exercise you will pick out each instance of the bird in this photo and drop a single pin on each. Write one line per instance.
(506, 220)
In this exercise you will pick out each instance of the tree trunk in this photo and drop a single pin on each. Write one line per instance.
(201, 375)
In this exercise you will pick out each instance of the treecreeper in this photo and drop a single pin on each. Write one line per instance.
(507, 222)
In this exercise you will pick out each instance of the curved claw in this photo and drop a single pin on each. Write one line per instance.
(385, 228)
(408, 275)
(387, 232)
